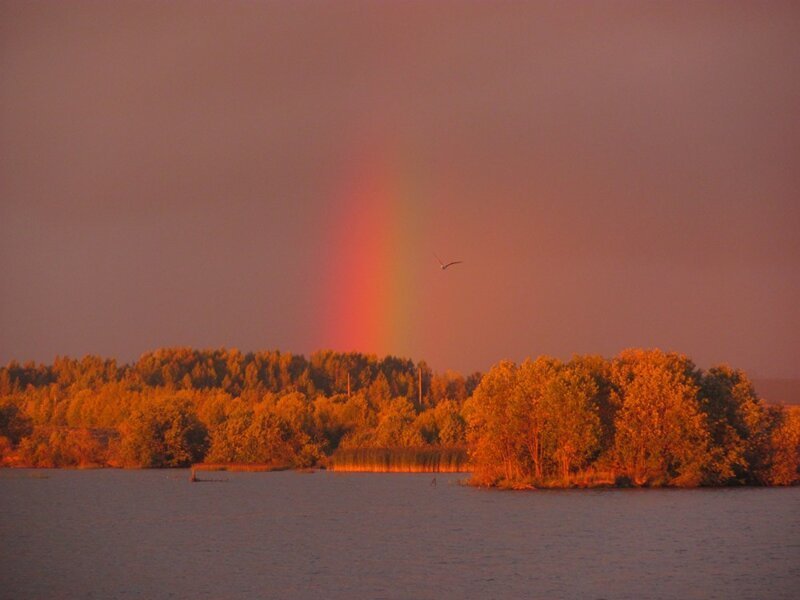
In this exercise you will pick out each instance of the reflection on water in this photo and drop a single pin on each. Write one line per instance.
(152, 534)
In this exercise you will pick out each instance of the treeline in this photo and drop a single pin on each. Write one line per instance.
(174, 407)
(645, 418)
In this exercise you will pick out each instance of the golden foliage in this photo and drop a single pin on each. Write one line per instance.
(645, 417)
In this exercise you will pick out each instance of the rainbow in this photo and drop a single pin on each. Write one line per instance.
(372, 293)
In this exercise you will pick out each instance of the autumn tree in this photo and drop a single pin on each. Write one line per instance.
(442, 425)
(259, 434)
(529, 408)
(447, 386)
(739, 425)
(785, 448)
(328, 422)
(607, 404)
(166, 433)
(651, 416)
(14, 424)
(395, 425)
(62, 447)
(571, 431)
(528, 423)
(359, 421)
(495, 435)
(661, 434)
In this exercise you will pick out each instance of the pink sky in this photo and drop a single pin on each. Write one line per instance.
(613, 174)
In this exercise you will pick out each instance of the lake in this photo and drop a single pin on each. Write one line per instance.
(153, 534)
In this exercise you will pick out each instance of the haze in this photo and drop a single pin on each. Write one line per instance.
(612, 175)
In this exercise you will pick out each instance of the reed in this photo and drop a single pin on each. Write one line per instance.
(248, 467)
(583, 479)
(400, 460)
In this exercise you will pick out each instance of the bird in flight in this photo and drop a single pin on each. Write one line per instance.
(450, 264)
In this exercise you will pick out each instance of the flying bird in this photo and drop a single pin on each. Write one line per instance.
(450, 264)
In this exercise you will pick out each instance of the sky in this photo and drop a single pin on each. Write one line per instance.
(283, 175)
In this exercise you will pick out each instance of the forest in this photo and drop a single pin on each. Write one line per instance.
(642, 418)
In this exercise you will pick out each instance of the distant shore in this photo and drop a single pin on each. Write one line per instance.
(644, 418)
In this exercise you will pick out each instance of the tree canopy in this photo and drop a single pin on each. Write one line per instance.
(645, 417)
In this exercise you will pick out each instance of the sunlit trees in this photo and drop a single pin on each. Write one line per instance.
(661, 435)
(571, 434)
(529, 409)
(530, 423)
(163, 434)
(450, 424)
(648, 417)
(494, 438)
(395, 425)
(14, 424)
(296, 418)
(93, 393)
(448, 386)
(231, 436)
(359, 421)
(785, 448)
(62, 447)
(607, 404)
(739, 425)
(261, 434)
(442, 425)
(328, 422)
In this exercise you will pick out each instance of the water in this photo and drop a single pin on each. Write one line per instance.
(152, 534)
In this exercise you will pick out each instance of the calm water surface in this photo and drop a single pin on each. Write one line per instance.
(152, 534)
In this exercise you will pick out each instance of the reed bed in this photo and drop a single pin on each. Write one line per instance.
(400, 460)
(248, 467)
(583, 479)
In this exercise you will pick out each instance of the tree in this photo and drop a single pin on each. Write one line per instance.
(258, 435)
(395, 425)
(62, 447)
(14, 424)
(599, 369)
(447, 386)
(379, 391)
(661, 435)
(494, 441)
(450, 426)
(442, 425)
(739, 425)
(359, 420)
(529, 408)
(529, 422)
(785, 448)
(571, 433)
(166, 433)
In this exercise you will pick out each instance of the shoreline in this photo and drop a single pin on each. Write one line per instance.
(264, 468)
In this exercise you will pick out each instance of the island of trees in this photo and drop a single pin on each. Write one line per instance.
(643, 418)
